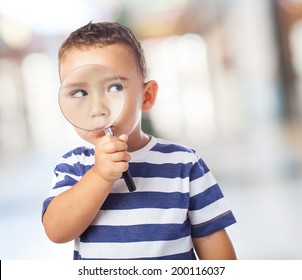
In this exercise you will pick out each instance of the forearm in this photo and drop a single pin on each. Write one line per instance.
(70, 213)
(216, 246)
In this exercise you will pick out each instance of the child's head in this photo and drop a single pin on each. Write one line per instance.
(115, 47)
(103, 34)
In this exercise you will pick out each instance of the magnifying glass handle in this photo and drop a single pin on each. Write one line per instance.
(126, 174)
(129, 181)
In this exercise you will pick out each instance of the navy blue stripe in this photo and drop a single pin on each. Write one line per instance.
(68, 181)
(204, 166)
(213, 225)
(80, 151)
(136, 233)
(198, 170)
(205, 198)
(123, 201)
(181, 256)
(75, 169)
(83, 168)
(65, 168)
(45, 204)
(167, 170)
(170, 148)
(145, 170)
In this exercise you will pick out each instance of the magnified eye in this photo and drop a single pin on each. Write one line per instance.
(116, 88)
(79, 93)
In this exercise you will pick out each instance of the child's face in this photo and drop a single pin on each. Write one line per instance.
(120, 60)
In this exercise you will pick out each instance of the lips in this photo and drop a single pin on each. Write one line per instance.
(98, 132)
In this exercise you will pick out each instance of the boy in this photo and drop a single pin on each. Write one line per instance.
(178, 210)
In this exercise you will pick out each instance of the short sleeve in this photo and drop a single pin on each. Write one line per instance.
(208, 210)
(72, 166)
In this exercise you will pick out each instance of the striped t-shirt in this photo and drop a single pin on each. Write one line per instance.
(177, 198)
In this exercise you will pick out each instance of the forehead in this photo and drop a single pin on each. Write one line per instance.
(116, 57)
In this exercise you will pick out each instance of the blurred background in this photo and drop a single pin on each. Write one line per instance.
(230, 77)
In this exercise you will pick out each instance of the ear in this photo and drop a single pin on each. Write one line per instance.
(150, 93)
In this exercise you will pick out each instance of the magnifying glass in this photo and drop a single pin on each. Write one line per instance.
(91, 98)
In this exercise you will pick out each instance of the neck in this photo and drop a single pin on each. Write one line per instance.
(137, 141)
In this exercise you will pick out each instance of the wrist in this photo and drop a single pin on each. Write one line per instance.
(100, 181)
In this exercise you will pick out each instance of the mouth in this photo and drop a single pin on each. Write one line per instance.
(98, 132)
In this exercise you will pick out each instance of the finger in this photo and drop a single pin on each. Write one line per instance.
(111, 144)
(123, 137)
(105, 139)
(115, 146)
(121, 166)
(121, 156)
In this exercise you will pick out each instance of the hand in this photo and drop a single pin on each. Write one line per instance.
(111, 157)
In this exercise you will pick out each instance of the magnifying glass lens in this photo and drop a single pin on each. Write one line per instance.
(91, 98)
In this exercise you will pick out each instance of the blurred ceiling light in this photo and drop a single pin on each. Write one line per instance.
(51, 17)
(156, 17)
(14, 34)
(58, 17)
(162, 6)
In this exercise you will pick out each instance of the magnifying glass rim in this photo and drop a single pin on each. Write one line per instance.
(68, 75)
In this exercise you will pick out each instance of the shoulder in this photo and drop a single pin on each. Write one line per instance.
(181, 153)
(177, 153)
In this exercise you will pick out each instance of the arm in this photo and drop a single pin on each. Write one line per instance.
(70, 213)
(216, 246)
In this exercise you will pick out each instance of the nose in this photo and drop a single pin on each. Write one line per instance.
(99, 107)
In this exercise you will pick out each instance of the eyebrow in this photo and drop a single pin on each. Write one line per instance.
(83, 84)
(123, 78)
(73, 85)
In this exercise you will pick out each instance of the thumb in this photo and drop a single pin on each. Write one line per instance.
(123, 137)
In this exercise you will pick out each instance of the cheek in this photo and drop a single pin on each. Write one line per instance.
(134, 97)
(132, 107)
(129, 118)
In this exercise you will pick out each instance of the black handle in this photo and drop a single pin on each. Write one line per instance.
(126, 175)
(129, 181)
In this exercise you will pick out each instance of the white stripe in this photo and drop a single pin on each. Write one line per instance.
(156, 157)
(201, 184)
(209, 212)
(140, 216)
(154, 185)
(88, 160)
(134, 249)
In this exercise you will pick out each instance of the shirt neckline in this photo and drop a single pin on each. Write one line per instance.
(141, 152)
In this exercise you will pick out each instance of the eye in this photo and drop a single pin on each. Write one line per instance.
(79, 93)
(116, 88)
